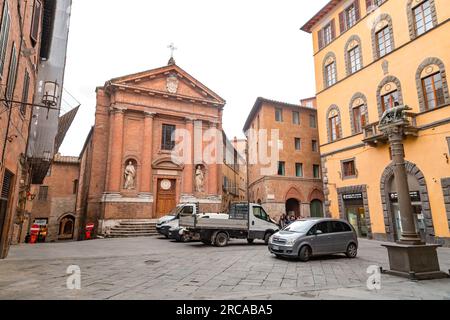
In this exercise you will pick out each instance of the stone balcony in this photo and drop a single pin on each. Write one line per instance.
(374, 137)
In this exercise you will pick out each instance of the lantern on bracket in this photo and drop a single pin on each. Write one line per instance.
(51, 95)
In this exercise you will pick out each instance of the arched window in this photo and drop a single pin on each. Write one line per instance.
(359, 116)
(389, 94)
(432, 85)
(421, 17)
(382, 36)
(334, 123)
(353, 55)
(329, 70)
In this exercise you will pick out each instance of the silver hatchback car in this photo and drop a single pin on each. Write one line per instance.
(313, 237)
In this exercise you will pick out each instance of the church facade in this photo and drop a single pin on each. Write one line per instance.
(156, 143)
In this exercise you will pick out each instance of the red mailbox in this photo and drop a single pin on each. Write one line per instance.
(89, 229)
(34, 233)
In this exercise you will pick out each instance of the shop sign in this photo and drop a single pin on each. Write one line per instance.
(40, 222)
(352, 196)
(415, 196)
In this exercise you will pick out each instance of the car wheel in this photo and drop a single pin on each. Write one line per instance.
(352, 251)
(221, 239)
(267, 237)
(250, 241)
(305, 253)
(184, 238)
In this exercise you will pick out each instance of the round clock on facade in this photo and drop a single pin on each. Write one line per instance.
(166, 184)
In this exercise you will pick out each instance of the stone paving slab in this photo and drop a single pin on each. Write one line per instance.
(154, 268)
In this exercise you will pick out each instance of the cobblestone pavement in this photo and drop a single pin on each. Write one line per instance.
(154, 268)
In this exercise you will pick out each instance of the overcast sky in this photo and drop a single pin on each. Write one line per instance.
(239, 49)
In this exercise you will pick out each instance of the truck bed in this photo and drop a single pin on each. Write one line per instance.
(223, 224)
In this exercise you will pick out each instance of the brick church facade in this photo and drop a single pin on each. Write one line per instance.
(129, 170)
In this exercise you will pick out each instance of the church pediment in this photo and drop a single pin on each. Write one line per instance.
(170, 80)
(167, 164)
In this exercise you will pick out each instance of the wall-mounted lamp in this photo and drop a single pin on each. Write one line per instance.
(51, 94)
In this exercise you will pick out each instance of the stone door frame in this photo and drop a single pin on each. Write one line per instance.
(355, 189)
(413, 170)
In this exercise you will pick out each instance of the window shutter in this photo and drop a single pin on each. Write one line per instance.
(4, 36)
(6, 185)
(369, 3)
(333, 30)
(320, 36)
(357, 10)
(34, 34)
(342, 24)
(12, 74)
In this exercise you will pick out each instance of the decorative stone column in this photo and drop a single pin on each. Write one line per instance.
(188, 172)
(116, 149)
(147, 151)
(409, 257)
(213, 166)
(395, 134)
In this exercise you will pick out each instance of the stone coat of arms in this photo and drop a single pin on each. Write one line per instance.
(172, 84)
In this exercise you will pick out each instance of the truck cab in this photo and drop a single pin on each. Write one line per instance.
(165, 223)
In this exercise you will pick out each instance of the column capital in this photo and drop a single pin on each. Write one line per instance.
(117, 109)
(190, 119)
(149, 114)
(213, 124)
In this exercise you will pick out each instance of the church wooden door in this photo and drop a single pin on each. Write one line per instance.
(166, 197)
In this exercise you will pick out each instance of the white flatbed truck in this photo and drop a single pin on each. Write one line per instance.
(246, 221)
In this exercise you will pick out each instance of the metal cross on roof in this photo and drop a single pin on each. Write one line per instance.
(172, 49)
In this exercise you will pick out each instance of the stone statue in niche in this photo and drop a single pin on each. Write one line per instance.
(130, 176)
(199, 179)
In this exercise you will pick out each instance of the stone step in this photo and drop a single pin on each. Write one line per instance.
(132, 231)
(134, 227)
(136, 224)
(132, 235)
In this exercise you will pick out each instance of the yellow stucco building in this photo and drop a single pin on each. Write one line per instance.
(370, 56)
